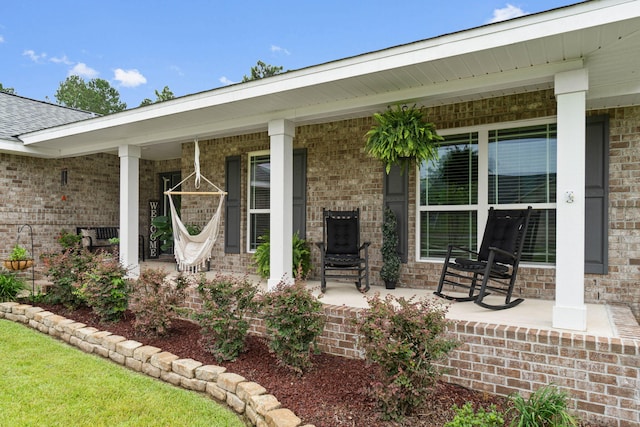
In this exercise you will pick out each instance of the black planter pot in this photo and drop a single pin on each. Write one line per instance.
(389, 284)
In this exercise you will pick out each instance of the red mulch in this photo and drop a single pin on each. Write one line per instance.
(332, 394)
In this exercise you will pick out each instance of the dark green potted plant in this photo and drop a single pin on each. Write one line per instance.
(402, 136)
(164, 232)
(19, 259)
(301, 257)
(390, 271)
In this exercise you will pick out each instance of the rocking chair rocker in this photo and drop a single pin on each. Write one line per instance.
(495, 266)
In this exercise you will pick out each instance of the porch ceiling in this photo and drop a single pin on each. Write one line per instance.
(509, 57)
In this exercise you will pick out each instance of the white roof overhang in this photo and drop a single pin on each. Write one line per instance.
(515, 56)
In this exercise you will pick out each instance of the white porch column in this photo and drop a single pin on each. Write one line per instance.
(570, 311)
(129, 198)
(281, 133)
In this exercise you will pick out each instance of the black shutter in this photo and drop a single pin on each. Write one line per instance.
(300, 192)
(232, 205)
(596, 246)
(396, 197)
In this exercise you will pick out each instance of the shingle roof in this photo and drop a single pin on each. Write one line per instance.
(20, 115)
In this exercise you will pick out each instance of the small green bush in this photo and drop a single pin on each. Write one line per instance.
(19, 253)
(294, 319)
(104, 287)
(155, 300)
(547, 407)
(226, 300)
(10, 285)
(467, 417)
(406, 338)
(64, 269)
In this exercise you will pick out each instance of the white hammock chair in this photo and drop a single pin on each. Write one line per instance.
(192, 252)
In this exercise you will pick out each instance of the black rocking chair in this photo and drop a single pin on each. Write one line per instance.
(341, 251)
(495, 267)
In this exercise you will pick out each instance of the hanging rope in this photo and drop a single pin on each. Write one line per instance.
(196, 164)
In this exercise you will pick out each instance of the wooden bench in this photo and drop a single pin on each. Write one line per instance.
(98, 238)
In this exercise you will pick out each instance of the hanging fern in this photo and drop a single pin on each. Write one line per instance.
(402, 137)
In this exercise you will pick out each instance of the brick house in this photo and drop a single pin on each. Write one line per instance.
(551, 100)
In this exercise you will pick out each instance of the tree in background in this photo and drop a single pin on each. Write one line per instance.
(7, 90)
(165, 95)
(262, 70)
(96, 96)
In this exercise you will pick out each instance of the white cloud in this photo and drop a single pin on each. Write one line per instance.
(278, 49)
(225, 81)
(508, 12)
(1, 39)
(63, 60)
(129, 78)
(177, 70)
(81, 69)
(34, 56)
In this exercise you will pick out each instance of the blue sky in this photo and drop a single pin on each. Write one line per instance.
(191, 46)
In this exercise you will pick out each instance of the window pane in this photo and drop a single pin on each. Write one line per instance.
(540, 243)
(260, 182)
(259, 227)
(452, 179)
(438, 229)
(522, 165)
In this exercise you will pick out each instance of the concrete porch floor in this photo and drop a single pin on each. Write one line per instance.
(602, 320)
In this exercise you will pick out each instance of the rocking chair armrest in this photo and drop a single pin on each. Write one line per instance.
(365, 245)
(502, 252)
(461, 248)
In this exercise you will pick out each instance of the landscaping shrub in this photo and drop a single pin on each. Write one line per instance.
(294, 319)
(546, 407)
(467, 417)
(10, 285)
(405, 338)
(155, 300)
(64, 270)
(104, 287)
(226, 300)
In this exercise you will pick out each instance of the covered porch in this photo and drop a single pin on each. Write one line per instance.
(553, 68)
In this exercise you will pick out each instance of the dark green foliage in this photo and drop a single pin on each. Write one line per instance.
(262, 70)
(155, 300)
(547, 407)
(64, 270)
(68, 240)
(104, 287)
(10, 285)
(390, 271)
(301, 257)
(467, 417)
(226, 300)
(96, 95)
(294, 319)
(401, 136)
(406, 338)
(165, 95)
(164, 231)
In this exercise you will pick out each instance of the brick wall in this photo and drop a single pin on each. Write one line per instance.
(601, 374)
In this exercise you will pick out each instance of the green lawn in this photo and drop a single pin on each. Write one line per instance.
(45, 382)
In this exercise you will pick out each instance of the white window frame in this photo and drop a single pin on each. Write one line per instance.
(251, 211)
(482, 207)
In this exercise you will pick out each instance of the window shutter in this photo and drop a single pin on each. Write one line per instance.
(300, 192)
(396, 197)
(232, 205)
(596, 246)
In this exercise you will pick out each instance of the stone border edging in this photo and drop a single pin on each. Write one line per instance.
(246, 398)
